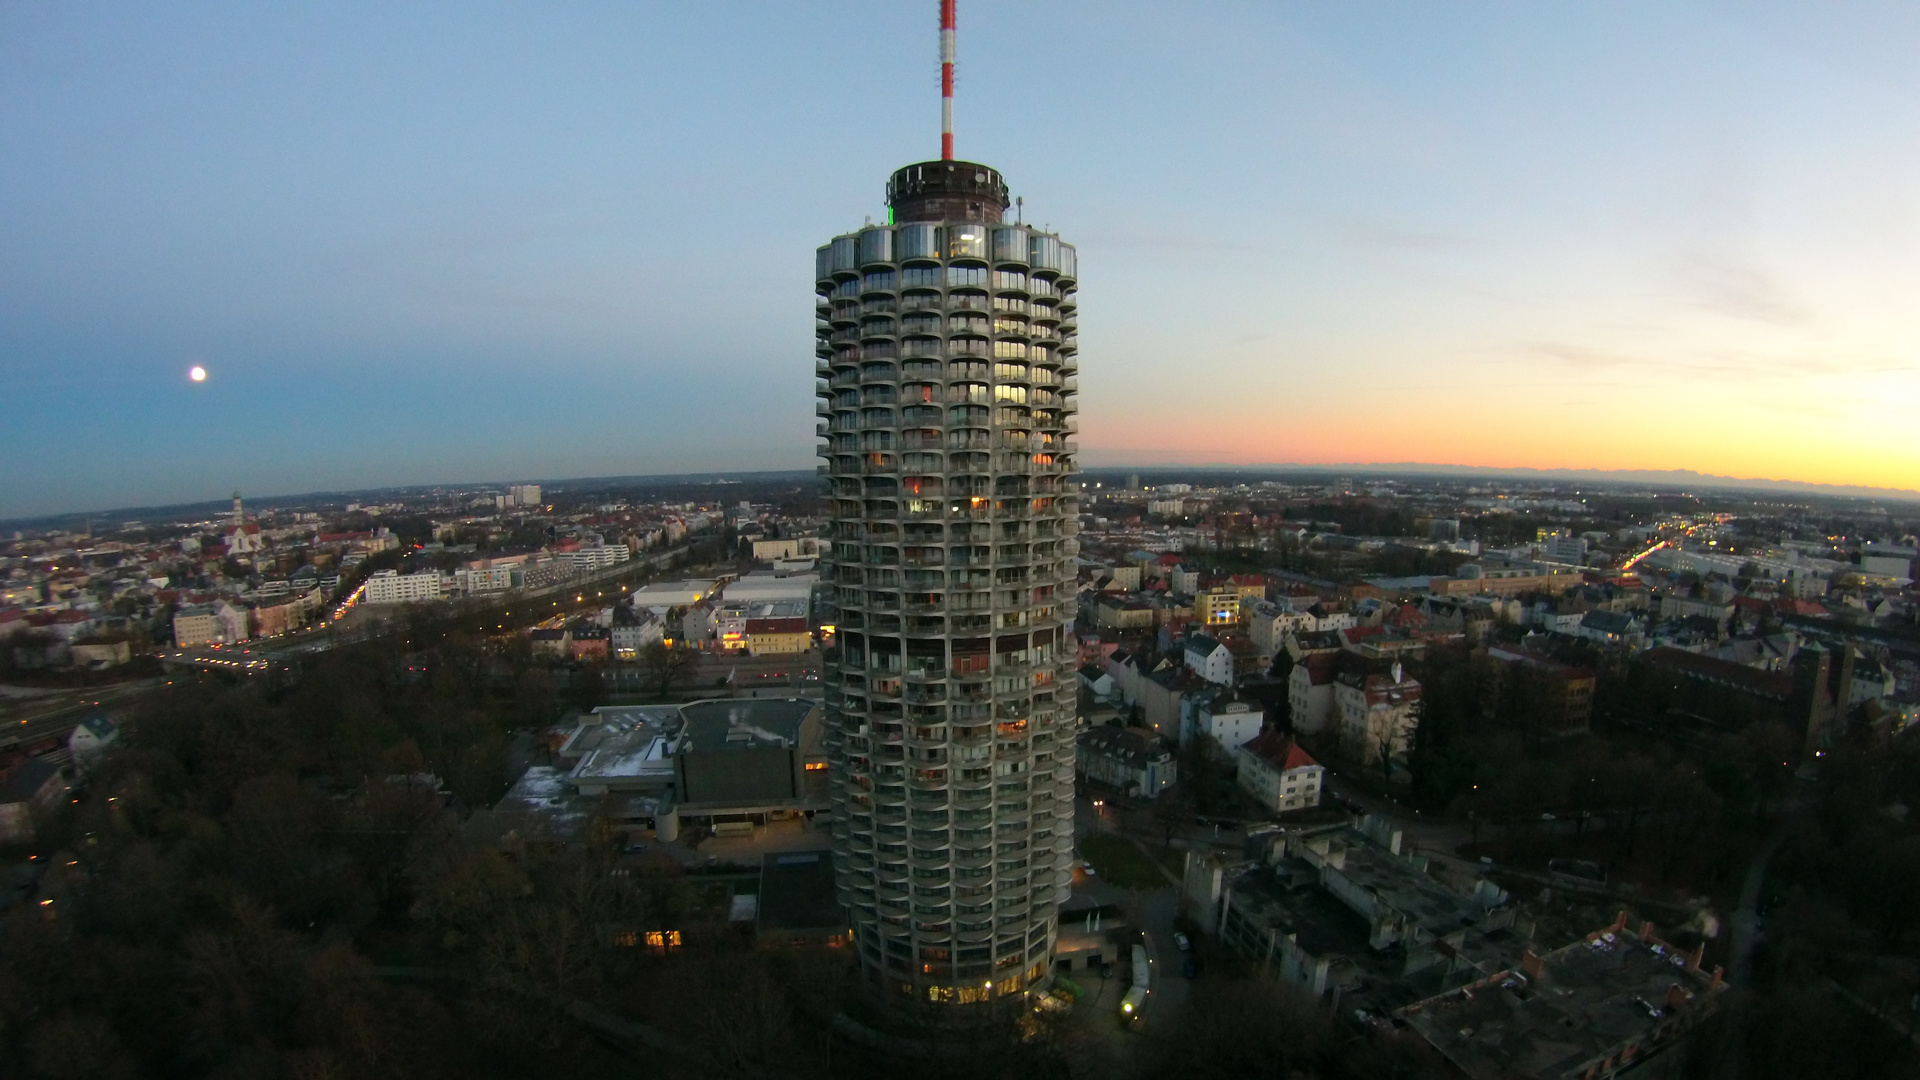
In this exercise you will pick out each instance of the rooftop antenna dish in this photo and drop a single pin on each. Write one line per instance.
(946, 80)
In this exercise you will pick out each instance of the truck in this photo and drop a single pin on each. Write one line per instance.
(1133, 1004)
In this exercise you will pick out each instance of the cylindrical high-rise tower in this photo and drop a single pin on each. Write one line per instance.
(946, 345)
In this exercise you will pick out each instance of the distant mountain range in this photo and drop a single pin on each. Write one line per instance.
(1665, 478)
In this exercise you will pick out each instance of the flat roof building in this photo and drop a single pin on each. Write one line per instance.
(1609, 1002)
(798, 904)
(750, 755)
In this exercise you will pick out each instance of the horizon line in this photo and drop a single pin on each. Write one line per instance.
(1659, 477)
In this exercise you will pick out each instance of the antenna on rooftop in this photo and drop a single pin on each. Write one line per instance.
(946, 80)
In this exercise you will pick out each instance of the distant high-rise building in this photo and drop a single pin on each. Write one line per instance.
(947, 352)
(523, 495)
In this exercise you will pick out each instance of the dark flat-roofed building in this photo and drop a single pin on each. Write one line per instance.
(799, 904)
(750, 755)
(1587, 1011)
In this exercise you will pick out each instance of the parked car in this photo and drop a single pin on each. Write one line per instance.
(1182, 942)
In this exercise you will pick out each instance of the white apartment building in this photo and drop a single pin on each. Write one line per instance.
(393, 587)
(486, 580)
(1232, 723)
(595, 558)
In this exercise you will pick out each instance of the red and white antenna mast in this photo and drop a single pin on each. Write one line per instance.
(946, 80)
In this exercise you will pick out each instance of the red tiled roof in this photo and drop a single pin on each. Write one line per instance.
(1803, 607)
(1321, 667)
(1279, 751)
(1772, 684)
(1298, 758)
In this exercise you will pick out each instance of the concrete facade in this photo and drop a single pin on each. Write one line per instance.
(946, 355)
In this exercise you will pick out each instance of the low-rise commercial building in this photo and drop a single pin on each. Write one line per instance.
(1348, 916)
(776, 636)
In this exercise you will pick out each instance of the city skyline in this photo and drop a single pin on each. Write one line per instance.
(425, 247)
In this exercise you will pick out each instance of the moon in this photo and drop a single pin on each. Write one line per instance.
(197, 373)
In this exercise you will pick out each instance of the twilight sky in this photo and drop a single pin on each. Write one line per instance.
(416, 243)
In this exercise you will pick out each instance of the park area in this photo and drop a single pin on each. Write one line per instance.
(1124, 865)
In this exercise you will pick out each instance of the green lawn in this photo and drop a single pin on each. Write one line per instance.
(1120, 863)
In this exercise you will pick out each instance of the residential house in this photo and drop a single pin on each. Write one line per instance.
(1251, 587)
(1609, 627)
(26, 788)
(1230, 721)
(1278, 773)
(1163, 697)
(1376, 713)
(1310, 691)
(92, 737)
(632, 631)
(551, 642)
(1100, 683)
(1124, 758)
(1124, 667)
(587, 643)
(1269, 623)
(1209, 658)
(1112, 611)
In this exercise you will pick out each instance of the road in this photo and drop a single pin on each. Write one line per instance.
(1098, 1028)
(55, 716)
(1746, 917)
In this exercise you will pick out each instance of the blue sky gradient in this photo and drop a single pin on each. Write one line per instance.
(423, 243)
